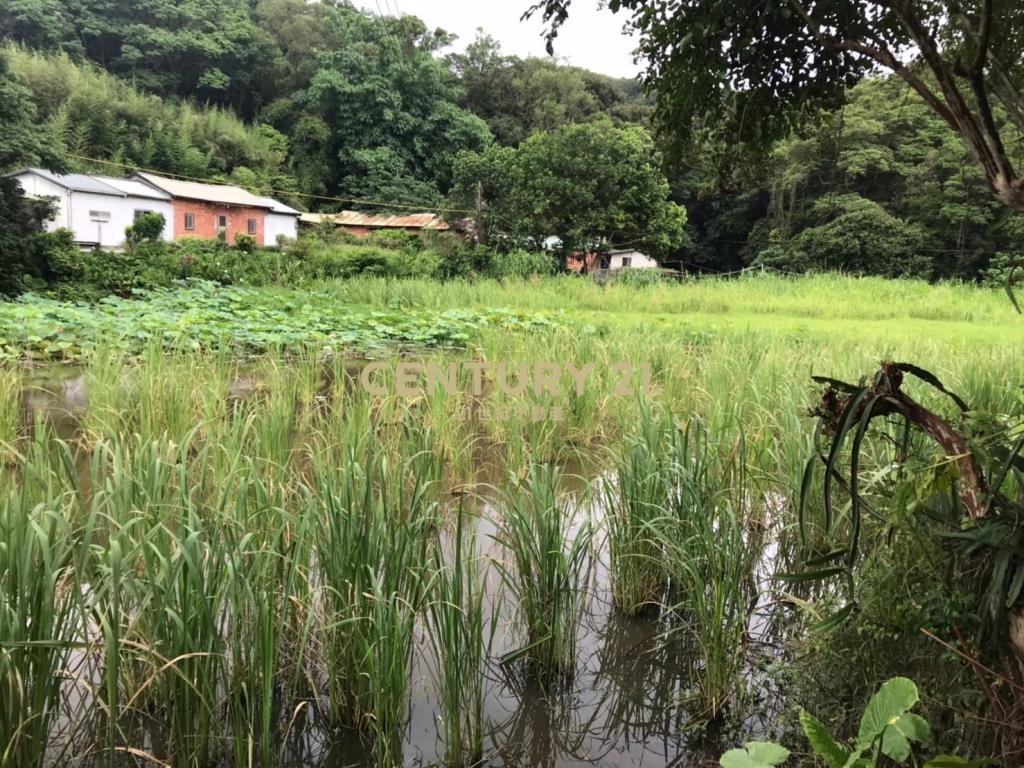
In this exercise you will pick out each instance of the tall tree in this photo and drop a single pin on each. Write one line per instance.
(757, 68)
(591, 186)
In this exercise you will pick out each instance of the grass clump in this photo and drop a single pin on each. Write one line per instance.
(547, 571)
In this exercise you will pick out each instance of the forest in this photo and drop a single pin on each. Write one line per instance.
(332, 107)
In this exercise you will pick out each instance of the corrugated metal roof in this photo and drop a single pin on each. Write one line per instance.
(134, 188)
(194, 190)
(406, 221)
(377, 220)
(315, 218)
(276, 206)
(77, 182)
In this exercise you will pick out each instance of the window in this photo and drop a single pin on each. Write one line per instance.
(627, 261)
(190, 221)
(252, 226)
(99, 215)
(139, 212)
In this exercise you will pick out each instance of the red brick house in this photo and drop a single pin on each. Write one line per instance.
(212, 210)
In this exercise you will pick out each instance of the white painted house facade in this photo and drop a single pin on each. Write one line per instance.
(96, 209)
(630, 259)
(281, 221)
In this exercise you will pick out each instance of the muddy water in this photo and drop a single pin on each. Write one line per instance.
(629, 703)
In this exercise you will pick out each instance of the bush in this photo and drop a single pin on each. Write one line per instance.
(857, 236)
(348, 261)
(245, 243)
(214, 260)
(520, 264)
(61, 256)
(1000, 267)
(147, 228)
(638, 278)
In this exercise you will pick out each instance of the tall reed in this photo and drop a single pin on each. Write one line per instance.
(710, 549)
(460, 643)
(634, 500)
(372, 556)
(547, 571)
(39, 620)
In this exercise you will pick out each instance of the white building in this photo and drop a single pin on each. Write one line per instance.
(97, 209)
(629, 258)
(281, 221)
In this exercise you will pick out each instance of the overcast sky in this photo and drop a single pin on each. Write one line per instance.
(592, 38)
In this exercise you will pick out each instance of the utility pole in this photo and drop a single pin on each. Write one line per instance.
(478, 222)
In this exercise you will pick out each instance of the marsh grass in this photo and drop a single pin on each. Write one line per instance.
(228, 543)
(636, 499)
(710, 542)
(372, 558)
(38, 618)
(460, 642)
(548, 550)
(10, 411)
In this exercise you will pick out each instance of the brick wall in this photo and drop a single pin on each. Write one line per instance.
(206, 220)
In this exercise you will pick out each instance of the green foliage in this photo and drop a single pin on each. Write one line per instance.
(25, 249)
(589, 185)
(22, 142)
(520, 264)
(245, 243)
(856, 236)
(89, 113)
(147, 228)
(755, 754)
(888, 728)
(204, 315)
(519, 97)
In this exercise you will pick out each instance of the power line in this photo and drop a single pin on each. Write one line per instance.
(285, 192)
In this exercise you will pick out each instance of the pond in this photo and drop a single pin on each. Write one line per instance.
(632, 699)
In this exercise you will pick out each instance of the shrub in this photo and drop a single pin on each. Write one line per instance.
(857, 236)
(61, 256)
(638, 278)
(147, 228)
(520, 264)
(347, 261)
(245, 243)
(999, 269)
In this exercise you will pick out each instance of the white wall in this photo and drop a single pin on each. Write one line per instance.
(637, 260)
(110, 234)
(279, 224)
(37, 186)
(73, 210)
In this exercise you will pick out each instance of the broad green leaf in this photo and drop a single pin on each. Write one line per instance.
(757, 754)
(822, 741)
(892, 700)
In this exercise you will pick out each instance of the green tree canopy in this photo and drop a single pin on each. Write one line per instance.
(755, 70)
(592, 186)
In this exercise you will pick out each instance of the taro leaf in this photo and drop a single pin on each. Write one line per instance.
(906, 728)
(886, 708)
(823, 743)
(952, 761)
(758, 754)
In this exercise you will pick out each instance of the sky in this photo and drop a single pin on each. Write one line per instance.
(592, 38)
